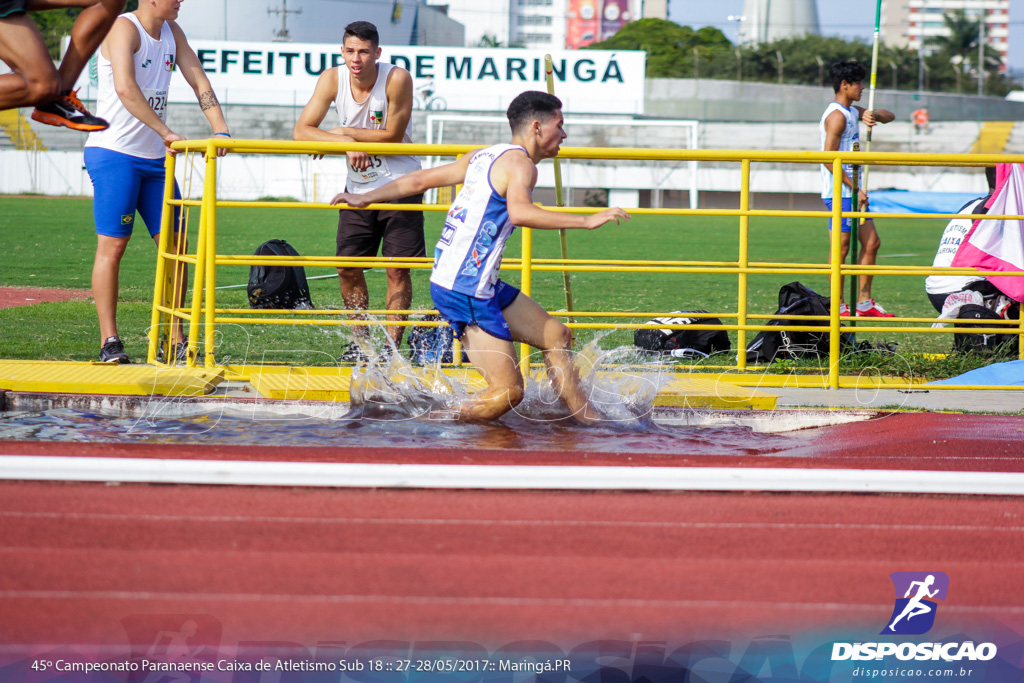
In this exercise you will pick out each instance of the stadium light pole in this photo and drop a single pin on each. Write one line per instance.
(778, 54)
(892, 65)
(981, 52)
(739, 19)
(821, 69)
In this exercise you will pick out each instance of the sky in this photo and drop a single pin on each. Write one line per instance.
(846, 18)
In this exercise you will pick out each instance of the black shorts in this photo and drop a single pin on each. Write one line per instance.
(9, 7)
(360, 233)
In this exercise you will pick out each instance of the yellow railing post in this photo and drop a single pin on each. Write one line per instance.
(210, 201)
(744, 261)
(163, 246)
(526, 287)
(835, 274)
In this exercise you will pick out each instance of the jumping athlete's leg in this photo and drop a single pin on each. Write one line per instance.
(496, 361)
(529, 322)
(89, 30)
(34, 79)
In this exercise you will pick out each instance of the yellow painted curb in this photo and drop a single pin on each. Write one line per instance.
(107, 378)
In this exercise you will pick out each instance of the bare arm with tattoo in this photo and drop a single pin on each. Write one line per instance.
(192, 69)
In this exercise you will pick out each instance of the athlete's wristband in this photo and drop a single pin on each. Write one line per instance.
(226, 135)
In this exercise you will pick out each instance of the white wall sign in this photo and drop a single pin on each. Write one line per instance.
(466, 79)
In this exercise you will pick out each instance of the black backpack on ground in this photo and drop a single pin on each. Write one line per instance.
(794, 299)
(278, 286)
(977, 342)
(683, 343)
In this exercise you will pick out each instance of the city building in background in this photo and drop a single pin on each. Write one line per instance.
(767, 20)
(547, 24)
(911, 22)
(400, 22)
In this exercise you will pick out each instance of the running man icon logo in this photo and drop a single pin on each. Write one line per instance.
(914, 612)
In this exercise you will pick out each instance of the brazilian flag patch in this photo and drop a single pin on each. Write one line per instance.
(127, 219)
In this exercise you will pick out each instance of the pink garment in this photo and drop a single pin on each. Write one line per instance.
(997, 244)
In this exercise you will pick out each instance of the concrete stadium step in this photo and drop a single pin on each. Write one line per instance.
(18, 129)
(993, 137)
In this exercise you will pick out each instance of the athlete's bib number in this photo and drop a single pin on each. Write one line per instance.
(157, 101)
(377, 169)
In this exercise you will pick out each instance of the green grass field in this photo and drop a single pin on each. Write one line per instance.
(50, 242)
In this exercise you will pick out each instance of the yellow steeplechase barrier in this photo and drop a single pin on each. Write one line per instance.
(195, 306)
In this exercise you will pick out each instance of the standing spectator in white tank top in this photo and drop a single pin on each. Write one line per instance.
(126, 161)
(374, 103)
(839, 129)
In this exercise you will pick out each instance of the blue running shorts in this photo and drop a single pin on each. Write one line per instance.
(846, 223)
(462, 310)
(123, 184)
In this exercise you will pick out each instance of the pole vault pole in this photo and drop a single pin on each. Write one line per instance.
(559, 199)
(855, 234)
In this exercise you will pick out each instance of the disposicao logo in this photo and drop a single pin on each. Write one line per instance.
(914, 612)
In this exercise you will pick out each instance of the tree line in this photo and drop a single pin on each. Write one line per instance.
(948, 64)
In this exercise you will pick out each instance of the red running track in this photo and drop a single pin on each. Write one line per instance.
(81, 562)
(91, 564)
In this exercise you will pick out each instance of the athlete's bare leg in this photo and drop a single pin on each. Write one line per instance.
(399, 299)
(869, 245)
(34, 80)
(89, 30)
(105, 270)
(355, 295)
(495, 359)
(530, 323)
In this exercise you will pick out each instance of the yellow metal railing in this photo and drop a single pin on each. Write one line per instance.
(203, 311)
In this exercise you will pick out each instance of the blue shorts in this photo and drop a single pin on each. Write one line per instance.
(462, 310)
(123, 184)
(846, 223)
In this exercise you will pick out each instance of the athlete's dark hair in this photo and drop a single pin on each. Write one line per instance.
(529, 105)
(363, 30)
(851, 72)
(990, 176)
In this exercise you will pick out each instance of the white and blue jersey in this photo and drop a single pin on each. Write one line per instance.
(850, 136)
(468, 255)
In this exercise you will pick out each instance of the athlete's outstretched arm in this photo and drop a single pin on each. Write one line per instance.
(413, 183)
(521, 175)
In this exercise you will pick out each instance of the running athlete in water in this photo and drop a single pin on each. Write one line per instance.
(488, 315)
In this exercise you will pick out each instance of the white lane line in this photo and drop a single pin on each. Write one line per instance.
(554, 477)
(474, 600)
(228, 519)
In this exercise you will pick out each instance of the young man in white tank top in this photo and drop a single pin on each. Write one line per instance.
(126, 161)
(839, 130)
(374, 103)
(488, 315)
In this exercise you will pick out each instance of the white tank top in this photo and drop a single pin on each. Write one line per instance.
(468, 255)
(850, 136)
(372, 114)
(154, 63)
